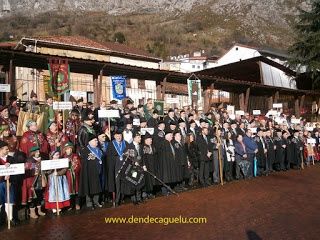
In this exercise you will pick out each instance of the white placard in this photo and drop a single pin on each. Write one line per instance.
(78, 94)
(230, 109)
(295, 120)
(108, 113)
(277, 105)
(240, 112)
(253, 130)
(136, 122)
(62, 105)
(54, 164)
(311, 140)
(13, 169)
(272, 113)
(232, 116)
(256, 112)
(310, 129)
(5, 88)
(149, 130)
(172, 100)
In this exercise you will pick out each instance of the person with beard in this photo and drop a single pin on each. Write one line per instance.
(33, 183)
(153, 121)
(90, 173)
(168, 163)
(34, 138)
(205, 156)
(6, 120)
(183, 173)
(193, 157)
(148, 158)
(115, 153)
(72, 126)
(85, 130)
(55, 138)
(271, 150)
(73, 174)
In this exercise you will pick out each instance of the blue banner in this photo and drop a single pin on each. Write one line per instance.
(118, 87)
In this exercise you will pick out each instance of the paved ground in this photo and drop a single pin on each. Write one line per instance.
(281, 206)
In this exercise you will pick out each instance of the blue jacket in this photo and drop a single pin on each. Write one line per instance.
(250, 144)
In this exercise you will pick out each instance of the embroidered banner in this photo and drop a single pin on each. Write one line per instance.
(118, 87)
(59, 76)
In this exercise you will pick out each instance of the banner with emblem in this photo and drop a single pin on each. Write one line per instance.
(59, 76)
(118, 87)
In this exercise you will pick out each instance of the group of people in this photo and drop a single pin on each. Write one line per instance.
(140, 154)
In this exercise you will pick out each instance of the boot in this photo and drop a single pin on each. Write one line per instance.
(33, 213)
(40, 213)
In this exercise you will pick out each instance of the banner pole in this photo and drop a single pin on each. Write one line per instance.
(8, 202)
(57, 191)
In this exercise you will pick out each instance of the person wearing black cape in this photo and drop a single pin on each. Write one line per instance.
(281, 146)
(115, 153)
(181, 158)
(91, 169)
(136, 159)
(148, 158)
(168, 164)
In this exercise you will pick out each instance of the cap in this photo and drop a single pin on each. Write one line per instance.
(50, 123)
(68, 145)
(170, 110)
(33, 94)
(30, 122)
(33, 149)
(72, 99)
(118, 131)
(91, 137)
(136, 134)
(143, 120)
(113, 102)
(192, 121)
(80, 100)
(172, 123)
(147, 135)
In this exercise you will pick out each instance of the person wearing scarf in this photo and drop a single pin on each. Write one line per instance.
(90, 174)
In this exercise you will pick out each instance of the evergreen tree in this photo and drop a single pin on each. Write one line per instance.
(305, 52)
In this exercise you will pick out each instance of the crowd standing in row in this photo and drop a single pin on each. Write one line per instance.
(186, 148)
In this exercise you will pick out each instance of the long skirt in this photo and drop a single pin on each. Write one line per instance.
(63, 190)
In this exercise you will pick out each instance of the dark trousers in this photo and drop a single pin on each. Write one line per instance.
(204, 172)
(251, 160)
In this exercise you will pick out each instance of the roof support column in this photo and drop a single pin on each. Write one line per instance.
(11, 79)
(276, 97)
(241, 101)
(207, 98)
(270, 102)
(96, 90)
(246, 101)
(163, 88)
(296, 108)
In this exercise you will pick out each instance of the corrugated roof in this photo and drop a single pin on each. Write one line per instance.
(82, 42)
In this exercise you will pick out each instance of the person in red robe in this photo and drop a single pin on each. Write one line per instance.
(5, 119)
(55, 138)
(72, 126)
(33, 138)
(73, 173)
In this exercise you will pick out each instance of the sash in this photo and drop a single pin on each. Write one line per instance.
(120, 148)
(96, 152)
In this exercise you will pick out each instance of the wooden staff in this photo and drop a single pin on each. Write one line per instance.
(57, 191)
(63, 122)
(8, 202)
(109, 128)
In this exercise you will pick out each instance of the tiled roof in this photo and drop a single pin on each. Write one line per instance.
(82, 42)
